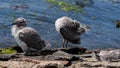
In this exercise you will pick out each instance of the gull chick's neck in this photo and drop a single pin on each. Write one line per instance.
(15, 29)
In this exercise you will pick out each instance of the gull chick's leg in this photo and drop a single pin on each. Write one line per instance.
(63, 43)
(25, 52)
(25, 49)
(66, 44)
(29, 52)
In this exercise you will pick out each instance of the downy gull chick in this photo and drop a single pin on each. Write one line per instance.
(27, 37)
(70, 30)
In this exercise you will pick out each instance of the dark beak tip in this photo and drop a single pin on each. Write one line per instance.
(13, 24)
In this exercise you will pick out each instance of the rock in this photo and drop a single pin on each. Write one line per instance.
(47, 52)
(58, 55)
(112, 66)
(32, 63)
(75, 50)
(112, 55)
(59, 59)
(95, 56)
(96, 65)
(5, 57)
(75, 58)
(87, 65)
(41, 52)
(61, 53)
(16, 64)
(51, 57)
(17, 48)
(91, 51)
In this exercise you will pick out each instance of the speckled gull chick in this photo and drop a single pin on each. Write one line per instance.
(70, 30)
(27, 37)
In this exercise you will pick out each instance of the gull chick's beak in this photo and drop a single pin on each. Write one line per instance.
(13, 23)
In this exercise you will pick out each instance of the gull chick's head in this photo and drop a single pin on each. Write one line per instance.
(20, 22)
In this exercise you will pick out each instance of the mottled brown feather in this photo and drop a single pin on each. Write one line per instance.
(70, 33)
(31, 38)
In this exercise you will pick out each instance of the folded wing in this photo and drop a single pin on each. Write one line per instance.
(31, 38)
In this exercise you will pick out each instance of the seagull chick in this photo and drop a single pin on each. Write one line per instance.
(27, 37)
(70, 30)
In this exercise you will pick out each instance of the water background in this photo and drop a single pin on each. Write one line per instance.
(41, 15)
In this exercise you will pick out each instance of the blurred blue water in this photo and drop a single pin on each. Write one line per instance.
(41, 16)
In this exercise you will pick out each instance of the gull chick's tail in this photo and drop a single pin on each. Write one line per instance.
(47, 44)
(83, 29)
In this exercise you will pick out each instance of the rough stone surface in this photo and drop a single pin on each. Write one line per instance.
(5, 57)
(61, 53)
(24, 64)
(31, 63)
(17, 48)
(74, 50)
(61, 58)
(112, 55)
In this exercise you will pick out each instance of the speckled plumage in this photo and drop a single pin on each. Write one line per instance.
(69, 29)
(27, 37)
